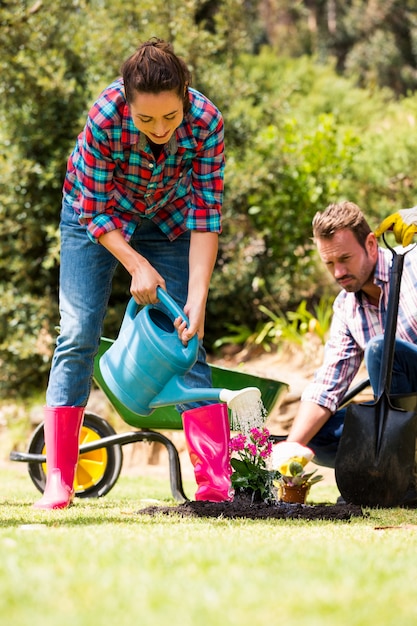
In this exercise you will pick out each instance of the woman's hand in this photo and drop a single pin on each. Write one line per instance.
(145, 278)
(202, 257)
(196, 317)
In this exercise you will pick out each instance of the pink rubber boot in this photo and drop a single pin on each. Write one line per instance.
(207, 433)
(62, 427)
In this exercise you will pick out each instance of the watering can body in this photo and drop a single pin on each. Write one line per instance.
(144, 366)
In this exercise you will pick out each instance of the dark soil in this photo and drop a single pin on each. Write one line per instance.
(243, 508)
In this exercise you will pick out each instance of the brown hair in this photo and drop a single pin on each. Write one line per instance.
(154, 68)
(339, 216)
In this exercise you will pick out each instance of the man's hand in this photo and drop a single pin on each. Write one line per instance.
(403, 224)
(286, 452)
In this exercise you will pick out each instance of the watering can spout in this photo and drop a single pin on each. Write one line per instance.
(235, 399)
(145, 366)
(175, 391)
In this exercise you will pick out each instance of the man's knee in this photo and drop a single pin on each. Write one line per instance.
(374, 348)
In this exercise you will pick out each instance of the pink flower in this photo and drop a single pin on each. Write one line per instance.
(238, 443)
(255, 446)
(256, 434)
(266, 452)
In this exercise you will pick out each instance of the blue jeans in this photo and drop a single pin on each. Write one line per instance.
(86, 274)
(404, 381)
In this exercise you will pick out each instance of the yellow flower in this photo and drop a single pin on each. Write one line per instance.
(285, 467)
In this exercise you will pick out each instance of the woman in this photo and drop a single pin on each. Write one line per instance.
(144, 187)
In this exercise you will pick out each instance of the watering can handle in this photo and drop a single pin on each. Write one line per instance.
(170, 304)
(173, 307)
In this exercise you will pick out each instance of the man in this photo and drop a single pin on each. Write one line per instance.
(350, 251)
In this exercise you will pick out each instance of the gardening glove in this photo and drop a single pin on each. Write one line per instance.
(287, 452)
(403, 224)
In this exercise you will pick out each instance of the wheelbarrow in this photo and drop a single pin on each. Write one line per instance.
(101, 455)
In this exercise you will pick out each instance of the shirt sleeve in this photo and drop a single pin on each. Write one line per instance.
(95, 168)
(208, 181)
(342, 359)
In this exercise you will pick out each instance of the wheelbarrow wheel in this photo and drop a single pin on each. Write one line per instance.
(97, 470)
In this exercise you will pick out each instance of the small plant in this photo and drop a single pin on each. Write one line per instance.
(293, 326)
(293, 482)
(251, 473)
(290, 328)
(293, 475)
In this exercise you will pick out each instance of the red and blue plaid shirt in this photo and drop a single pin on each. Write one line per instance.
(355, 321)
(113, 179)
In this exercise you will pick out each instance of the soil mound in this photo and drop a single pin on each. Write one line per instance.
(241, 508)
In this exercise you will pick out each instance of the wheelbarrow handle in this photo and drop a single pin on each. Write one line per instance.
(352, 393)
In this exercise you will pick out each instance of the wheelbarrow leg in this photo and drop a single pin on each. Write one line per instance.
(175, 473)
(175, 476)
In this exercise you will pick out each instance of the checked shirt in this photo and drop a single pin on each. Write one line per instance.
(113, 179)
(355, 321)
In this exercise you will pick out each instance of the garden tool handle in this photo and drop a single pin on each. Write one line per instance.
(385, 377)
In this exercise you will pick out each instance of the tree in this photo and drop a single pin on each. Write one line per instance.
(298, 135)
(56, 57)
(43, 93)
(370, 39)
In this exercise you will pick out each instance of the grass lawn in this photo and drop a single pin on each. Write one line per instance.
(99, 563)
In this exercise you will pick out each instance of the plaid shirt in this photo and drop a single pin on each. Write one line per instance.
(355, 321)
(113, 180)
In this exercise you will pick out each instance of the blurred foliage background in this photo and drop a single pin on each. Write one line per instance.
(319, 101)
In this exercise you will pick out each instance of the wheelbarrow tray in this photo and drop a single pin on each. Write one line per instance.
(168, 418)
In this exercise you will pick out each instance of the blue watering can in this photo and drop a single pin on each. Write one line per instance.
(144, 366)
